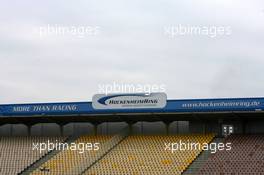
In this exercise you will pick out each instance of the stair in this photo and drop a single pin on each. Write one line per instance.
(200, 160)
(105, 148)
(46, 157)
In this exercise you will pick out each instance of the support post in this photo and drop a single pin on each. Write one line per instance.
(95, 128)
(29, 130)
(167, 127)
(61, 129)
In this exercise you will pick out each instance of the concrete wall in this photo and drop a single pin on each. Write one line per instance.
(107, 128)
(6, 130)
(255, 127)
(147, 128)
(179, 127)
(53, 129)
(111, 128)
(205, 127)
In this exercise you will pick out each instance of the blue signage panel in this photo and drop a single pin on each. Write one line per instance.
(198, 105)
(214, 105)
(45, 108)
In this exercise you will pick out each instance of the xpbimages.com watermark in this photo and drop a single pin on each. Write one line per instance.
(130, 88)
(189, 146)
(80, 31)
(60, 146)
(192, 30)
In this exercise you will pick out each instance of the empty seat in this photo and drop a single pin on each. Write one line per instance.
(245, 157)
(16, 153)
(68, 160)
(138, 155)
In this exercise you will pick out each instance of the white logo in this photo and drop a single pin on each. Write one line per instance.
(129, 101)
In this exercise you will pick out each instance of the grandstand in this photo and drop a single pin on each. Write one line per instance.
(60, 164)
(16, 152)
(146, 155)
(133, 140)
(246, 157)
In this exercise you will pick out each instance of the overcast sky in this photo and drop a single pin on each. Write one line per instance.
(131, 47)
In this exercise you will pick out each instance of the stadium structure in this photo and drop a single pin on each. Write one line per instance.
(133, 134)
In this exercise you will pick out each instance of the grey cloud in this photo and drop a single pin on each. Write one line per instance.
(131, 48)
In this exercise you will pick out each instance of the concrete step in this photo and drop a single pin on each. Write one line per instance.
(45, 158)
(200, 159)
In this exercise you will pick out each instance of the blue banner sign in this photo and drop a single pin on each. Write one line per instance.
(172, 106)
